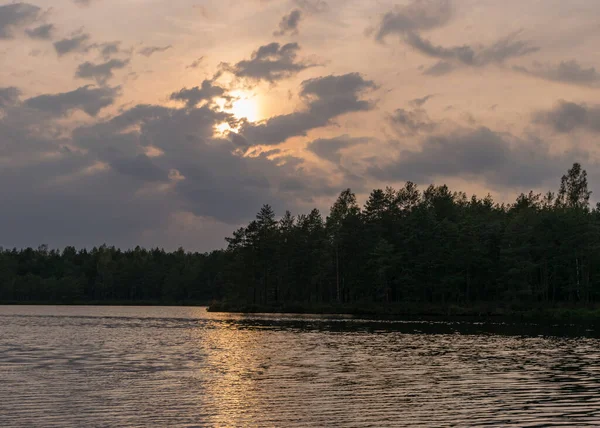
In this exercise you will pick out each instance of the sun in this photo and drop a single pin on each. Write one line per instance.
(242, 106)
(245, 106)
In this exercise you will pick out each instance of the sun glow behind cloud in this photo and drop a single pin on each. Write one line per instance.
(223, 128)
(246, 108)
(243, 106)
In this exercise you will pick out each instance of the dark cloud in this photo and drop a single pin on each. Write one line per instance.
(85, 3)
(193, 96)
(139, 167)
(505, 48)
(205, 184)
(419, 102)
(567, 72)
(464, 54)
(38, 158)
(330, 148)
(289, 23)
(420, 15)
(9, 96)
(500, 160)
(99, 183)
(73, 200)
(16, 15)
(312, 6)
(150, 50)
(127, 179)
(411, 122)
(568, 116)
(26, 135)
(409, 21)
(100, 72)
(325, 97)
(76, 43)
(196, 63)
(90, 100)
(128, 118)
(109, 48)
(61, 196)
(270, 62)
(439, 69)
(43, 32)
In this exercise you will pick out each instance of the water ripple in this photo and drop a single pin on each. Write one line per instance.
(184, 367)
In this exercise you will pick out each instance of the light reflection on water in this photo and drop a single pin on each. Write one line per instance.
(147, 366)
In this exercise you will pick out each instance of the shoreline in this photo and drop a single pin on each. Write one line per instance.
(406, 311)
(418, 311)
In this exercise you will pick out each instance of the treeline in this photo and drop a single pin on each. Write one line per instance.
(107, 274)
(428, 247)
(434, 246)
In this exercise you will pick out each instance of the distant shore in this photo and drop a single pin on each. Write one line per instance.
(416, 310)
(480, 311)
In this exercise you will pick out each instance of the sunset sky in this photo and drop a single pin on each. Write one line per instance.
(169, 123)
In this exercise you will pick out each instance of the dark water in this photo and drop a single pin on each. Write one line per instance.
(181, 367)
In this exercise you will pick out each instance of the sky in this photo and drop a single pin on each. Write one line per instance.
(170, 123)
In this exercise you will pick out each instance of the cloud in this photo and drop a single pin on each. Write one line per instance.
(139, 167)
(16, 15)
(56, 193)
(409, 21)
(195, 95)
(503, 49)
(566, 117)
(125, 178)
(312, 6)
(75, 43)
(439, 69)
(464, 54)
(411, 122)
(100, 72)
(202, 181)
(419, 102)
(419, 15)
(196, 63)
(88, 99)
(150, 50)
(270, 62)
(501, 160)
(108, 49)
(289, 23)
(566, 71)
(72, 200)
(325, 99)
(9, 96)
(43, 32)
(330, 148)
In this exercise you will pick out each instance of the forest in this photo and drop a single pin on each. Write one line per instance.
(404, 246)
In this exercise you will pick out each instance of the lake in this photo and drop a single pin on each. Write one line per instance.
(78, 366)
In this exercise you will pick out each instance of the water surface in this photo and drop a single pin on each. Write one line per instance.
(183, 367)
